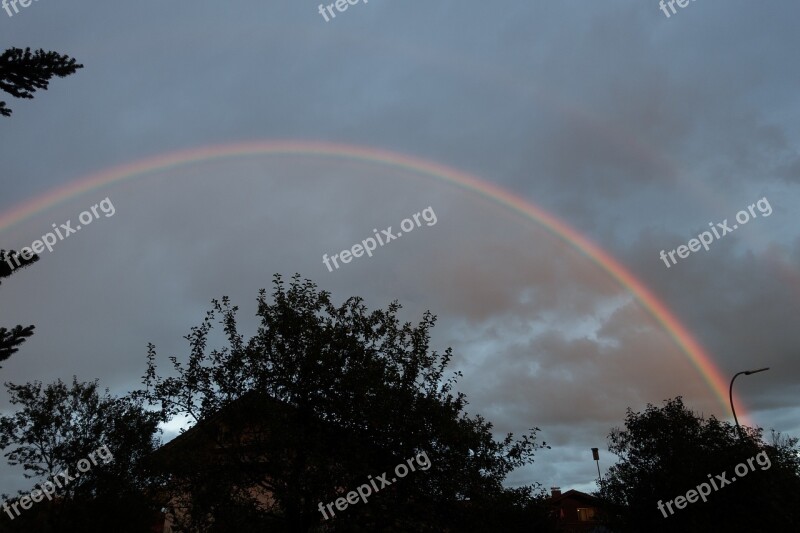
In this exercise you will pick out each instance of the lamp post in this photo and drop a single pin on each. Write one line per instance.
(730, 394)
(596, 457)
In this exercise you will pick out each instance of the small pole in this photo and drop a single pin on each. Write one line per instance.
(730, 396)
(596, 456)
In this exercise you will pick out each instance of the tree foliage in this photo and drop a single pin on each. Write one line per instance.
(665, 452)
(365, 393)
(54, 428)
(22, 72)
(11, 339)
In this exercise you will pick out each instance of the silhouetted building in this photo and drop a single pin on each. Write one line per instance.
(575, 511)
(239, 438)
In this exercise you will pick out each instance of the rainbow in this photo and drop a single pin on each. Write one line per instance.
(696, 354)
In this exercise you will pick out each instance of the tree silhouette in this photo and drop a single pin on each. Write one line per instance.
(11, 339)
(326, 397)
(55, 428)
(666, 452)
(23, 72)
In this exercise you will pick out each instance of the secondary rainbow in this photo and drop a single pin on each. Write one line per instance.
(680, 334)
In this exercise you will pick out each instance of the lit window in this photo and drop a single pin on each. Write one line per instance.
(585, 514)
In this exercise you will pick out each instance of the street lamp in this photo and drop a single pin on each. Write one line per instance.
(730, 393)
(596, 457)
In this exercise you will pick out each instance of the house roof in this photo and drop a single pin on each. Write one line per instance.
(203, 431)
(260, 410)
(575, 495)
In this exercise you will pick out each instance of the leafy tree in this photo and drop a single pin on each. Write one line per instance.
(23, 72)
(342, 394)
(665, 452)
(11, 339)
(55, 428)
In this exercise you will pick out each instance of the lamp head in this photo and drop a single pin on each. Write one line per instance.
(747, 373)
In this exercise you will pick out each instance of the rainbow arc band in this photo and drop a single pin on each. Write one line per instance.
(696, 354)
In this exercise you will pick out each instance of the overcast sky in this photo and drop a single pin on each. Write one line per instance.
(635, 129)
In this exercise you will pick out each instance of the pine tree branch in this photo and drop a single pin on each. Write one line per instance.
(10, 340)
(22, 73)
